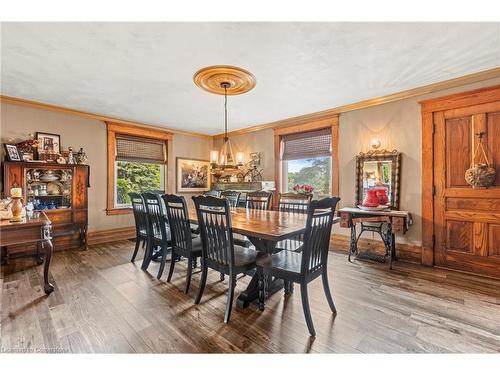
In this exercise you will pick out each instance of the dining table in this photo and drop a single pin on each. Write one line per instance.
(264, 229)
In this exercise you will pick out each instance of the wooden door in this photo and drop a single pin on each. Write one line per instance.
(466, 220)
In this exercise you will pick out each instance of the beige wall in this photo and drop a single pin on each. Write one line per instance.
(16, 122)
(261, 141)
(397, 124)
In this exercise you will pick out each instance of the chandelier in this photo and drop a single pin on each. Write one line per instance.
(225, 80)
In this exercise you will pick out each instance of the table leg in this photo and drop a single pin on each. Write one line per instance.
(389, 235)
(251, 293)
(353, 245)
(47, 286)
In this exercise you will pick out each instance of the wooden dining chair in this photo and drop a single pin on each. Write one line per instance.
(141, 222)
(232, 196)
(158, 233)
(255, 200)
(183, 243)
(304, 267)
(218, 251)
(259, 200)
(293, 203)
(212, 193)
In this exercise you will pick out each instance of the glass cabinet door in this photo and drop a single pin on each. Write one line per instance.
(49, 189)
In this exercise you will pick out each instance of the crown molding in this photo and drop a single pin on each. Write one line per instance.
(292, 121)
(93, 116)
(322, 115)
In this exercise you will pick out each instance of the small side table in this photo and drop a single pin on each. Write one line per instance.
(385, 223)
(32, 230)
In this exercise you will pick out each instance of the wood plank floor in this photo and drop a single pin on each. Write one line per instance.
(105, 304)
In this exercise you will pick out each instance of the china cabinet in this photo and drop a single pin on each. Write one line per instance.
(59, 190)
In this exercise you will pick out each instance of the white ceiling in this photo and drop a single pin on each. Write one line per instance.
(143, 71)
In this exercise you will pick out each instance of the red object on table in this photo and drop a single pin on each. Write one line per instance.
(382, 195)
(371, 198)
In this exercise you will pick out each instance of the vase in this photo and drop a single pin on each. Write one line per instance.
(17, 210)
(371, 198)
(382, 195)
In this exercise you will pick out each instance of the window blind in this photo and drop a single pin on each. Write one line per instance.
(140, 149)
(305, 145)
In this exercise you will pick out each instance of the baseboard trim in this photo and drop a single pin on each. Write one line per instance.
(338, 242)
(406, 252)
(110, 235)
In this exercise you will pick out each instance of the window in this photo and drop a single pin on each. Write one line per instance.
(311, 171)
(308, 157)
(132, 176)
(137, 160)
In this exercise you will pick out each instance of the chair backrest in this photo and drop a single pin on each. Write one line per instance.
(212, 193)
(317, 235)
(259, 200)
(140, 214)
(157, 219)
(178, 220)
(294, 202)
(232, 196)
(155, 191)
(214, 220)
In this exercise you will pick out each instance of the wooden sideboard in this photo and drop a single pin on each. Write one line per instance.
(69, 217)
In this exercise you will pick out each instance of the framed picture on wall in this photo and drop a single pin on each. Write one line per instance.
(192, 175)
(48, 143)
(12, 153)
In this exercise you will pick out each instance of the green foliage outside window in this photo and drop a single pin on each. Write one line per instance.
(317, 175)
(135, 177)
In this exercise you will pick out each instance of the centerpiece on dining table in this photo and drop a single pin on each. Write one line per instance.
(303, 189)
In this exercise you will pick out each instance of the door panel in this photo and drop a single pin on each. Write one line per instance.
(458, 150)
(459, 236)
(493, 135)
(466, 220)
(494, 240)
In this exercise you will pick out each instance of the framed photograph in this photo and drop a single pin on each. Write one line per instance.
(12, 153)
(48, 143)
(193, 175)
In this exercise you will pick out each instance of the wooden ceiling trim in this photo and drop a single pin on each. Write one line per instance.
(422, 90)
(90, 115)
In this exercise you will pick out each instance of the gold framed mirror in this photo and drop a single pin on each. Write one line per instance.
(378, 168)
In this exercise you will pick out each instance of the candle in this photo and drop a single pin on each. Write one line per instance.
(214, 157)
(240, 158)
(16, 192)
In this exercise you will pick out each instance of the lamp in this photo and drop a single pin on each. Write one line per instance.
(240, 158)
(375, 143)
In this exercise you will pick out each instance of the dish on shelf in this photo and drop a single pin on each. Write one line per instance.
(53, 188)
(378, 208)
(49, 176)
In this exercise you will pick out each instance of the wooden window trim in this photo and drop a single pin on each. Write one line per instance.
(332, 123)
(114, 128)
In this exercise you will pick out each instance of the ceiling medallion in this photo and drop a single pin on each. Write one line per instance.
(238, 80)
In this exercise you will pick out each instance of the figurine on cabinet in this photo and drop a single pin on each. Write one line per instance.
(81, 157)
(71, 158)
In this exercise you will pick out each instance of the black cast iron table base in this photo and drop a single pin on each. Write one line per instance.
(387, 236)
(251, 293)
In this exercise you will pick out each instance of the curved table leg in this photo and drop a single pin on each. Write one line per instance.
(47, 246)
(47, 287)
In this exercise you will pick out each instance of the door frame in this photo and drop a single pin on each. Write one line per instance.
(428, 108)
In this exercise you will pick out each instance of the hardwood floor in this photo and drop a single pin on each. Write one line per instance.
(104, 303)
